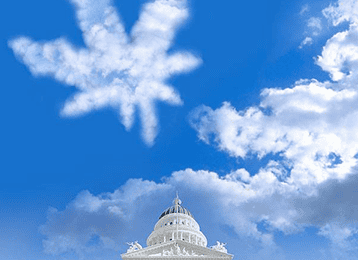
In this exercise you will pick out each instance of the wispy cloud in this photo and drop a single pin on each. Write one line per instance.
(314, 28)
(315, 24)
(306, 41)
(115, 70)
(305, 8)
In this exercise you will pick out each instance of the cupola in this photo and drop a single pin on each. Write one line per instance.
(177, 223)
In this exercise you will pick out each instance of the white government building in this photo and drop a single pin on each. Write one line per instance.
(176, 235)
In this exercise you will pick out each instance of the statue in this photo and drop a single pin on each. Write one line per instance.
(168, 253)
(137, 245)
(185, 252)
(133, 246)
(178, 252)
(220, 247)
(177, 249)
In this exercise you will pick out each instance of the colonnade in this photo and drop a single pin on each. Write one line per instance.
(184, 235)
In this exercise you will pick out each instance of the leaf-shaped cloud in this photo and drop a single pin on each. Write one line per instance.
(115, 70)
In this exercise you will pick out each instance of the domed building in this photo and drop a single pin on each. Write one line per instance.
(176, 235)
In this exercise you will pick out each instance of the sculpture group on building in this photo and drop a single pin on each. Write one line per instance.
(220, 247)
(133, 246)
(177, 252)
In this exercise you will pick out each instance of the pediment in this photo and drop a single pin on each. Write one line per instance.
(176, 248)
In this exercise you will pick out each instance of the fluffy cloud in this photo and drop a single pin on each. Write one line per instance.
(308, 133)
(311, 127)
(101, 224)
(115, 70)
(339, 55)
(98, 226)
(341, 11)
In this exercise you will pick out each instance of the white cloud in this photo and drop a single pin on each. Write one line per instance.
(141, 202)
(314, 28)
(236, 200)
(306, 41)
(309, 131)
(315, 24)
(341, 11)
(115, 70)
(310, 126)
(338, 235)
(343, 241)
(339, 55)
(102, 224)
(305, 8)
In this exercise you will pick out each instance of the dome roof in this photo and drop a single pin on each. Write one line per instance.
(176, 208)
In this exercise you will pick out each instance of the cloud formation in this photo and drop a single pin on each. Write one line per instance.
(306, 41)
(308, 132)
(315, 24)
(339, 55)
(311, 127)
(313, 29)
(115, 70)
(93, 227)
(101, 224)
(305, 8)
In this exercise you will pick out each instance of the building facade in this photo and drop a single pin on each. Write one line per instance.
(176, 235)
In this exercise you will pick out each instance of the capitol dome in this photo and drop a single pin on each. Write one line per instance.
(176, 235)
(176, 208)
(176, 223)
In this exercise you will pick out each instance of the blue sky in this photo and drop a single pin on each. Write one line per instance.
(248, 109)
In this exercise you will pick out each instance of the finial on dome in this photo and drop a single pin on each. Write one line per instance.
(176, 208)
(177, 201)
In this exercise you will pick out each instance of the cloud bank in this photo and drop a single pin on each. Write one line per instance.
(309, 133)
(94, 226)
(115, 70)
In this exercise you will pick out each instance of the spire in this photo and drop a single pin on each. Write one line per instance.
(177, 203)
